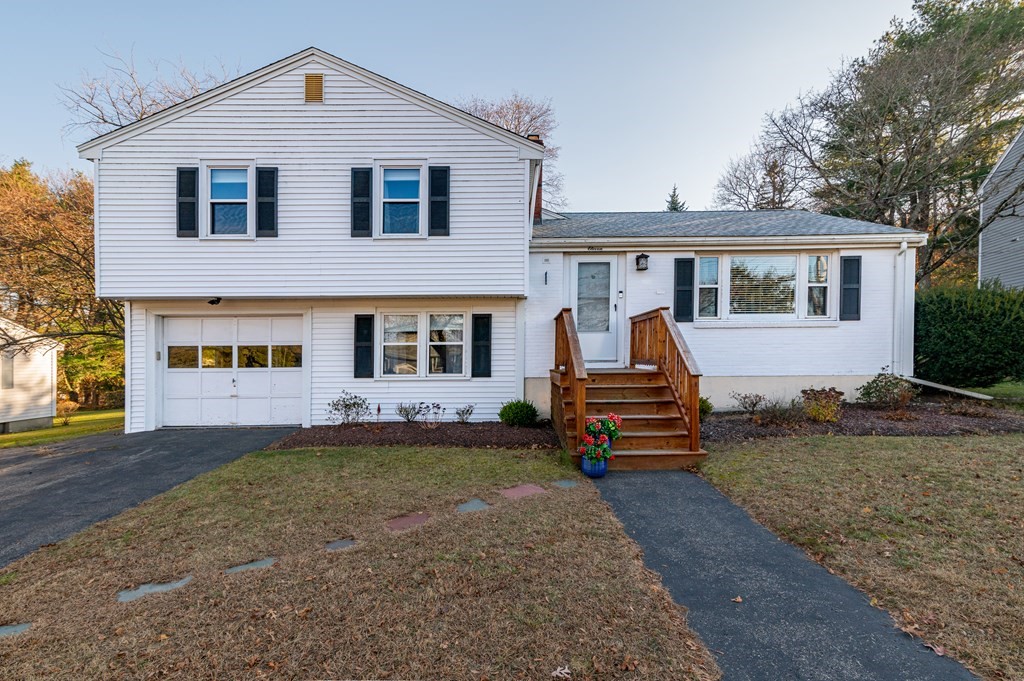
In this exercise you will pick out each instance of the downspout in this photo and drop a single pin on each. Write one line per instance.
(898, 308)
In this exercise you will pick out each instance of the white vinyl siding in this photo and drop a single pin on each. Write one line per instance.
(788, 347)
(32, 395)
(328, 357)
(314, 149)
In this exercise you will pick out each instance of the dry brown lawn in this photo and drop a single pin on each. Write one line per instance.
(931, 528)
(515, 591)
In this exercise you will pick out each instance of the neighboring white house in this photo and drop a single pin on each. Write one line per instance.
(313, 227)
(28, 383)
(1001, 243)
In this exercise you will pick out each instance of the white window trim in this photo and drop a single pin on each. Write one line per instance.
(204, 198)
(797, 318)
(422, 345)
(379, 166)
(717, 287)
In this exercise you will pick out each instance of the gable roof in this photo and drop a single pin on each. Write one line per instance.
(713, 224)
(18, 331)
(999, 161)
(91, 149)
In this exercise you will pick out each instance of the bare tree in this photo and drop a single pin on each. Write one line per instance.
(766, 177)
(907, 135)
(124, 94)
(524, 115)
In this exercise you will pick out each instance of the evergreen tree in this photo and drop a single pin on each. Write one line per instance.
(674, 204)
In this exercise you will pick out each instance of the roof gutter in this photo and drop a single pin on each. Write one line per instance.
(658, 243)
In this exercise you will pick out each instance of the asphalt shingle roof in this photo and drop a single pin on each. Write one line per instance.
(723, 223)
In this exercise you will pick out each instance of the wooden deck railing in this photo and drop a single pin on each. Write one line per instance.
(655, 340)
(569, 360)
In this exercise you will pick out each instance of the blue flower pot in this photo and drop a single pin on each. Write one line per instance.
(594, 469)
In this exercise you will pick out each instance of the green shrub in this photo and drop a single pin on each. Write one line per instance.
(823, 405)
(518, 413)
(969, 337)
(887, 391)
(705, 408)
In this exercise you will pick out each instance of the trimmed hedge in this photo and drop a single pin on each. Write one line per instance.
(969, 337)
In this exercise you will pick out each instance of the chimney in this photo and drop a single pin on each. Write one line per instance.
(540, 182)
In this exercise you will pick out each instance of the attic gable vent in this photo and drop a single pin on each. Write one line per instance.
(314, 87)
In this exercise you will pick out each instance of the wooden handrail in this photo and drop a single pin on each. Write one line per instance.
(569, 358)
(655, 340)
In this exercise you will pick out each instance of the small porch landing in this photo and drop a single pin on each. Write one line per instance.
(656, 397)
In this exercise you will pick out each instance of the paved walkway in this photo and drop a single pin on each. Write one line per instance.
(48, 493)
(796, 621)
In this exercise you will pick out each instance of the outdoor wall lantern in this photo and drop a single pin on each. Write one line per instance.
(641, 262)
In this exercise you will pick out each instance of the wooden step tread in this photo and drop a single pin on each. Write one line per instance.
(631, 400)
(655, 433)
(626, 453)
(623, 386)
(627, 417)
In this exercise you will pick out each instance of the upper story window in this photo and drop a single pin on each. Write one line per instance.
(764, 286)
(229, 199)
(401, 210)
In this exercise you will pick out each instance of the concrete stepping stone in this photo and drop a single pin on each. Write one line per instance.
(255, 565)
(404, 522)
(12, 629)
(473, 505)
(566, 484)
(520, 491)
(152, 588)
(340, 544)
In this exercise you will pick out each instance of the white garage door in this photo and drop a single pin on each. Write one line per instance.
(228, 371)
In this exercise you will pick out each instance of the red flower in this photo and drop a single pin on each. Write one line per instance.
(588, 439)
(604, 438)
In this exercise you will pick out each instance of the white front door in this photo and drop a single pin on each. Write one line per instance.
(595, 306)
(232, 371)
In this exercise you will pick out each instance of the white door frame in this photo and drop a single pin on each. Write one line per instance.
(618, 300)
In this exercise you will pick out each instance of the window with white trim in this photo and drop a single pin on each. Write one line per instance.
(764, 287)
(446, 344)
(401, 208)
(228, 191)
(762, 284)
(707, 287)
(817, 285)
(423, 344)
(400, 344)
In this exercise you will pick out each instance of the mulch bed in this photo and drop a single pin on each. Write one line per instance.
(925, 418)
(491, 434)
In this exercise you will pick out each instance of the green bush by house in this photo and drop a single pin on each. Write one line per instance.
(966, 336)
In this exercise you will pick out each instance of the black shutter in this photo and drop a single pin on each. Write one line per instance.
(849, 287)
(188, 202)
(266, 202)
(439, 201)
(481, 346)
(683, 304)
(364, 346)
(362, 202)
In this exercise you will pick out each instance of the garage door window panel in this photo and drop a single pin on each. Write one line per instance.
(218, 357)
(183, 357)
(287, 356)
(253, 357)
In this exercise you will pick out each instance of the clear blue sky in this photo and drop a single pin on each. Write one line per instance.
(647, 94)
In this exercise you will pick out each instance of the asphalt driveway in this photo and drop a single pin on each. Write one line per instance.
(48, 493)
(761, 605)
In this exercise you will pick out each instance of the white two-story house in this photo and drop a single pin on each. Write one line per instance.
(313, 227)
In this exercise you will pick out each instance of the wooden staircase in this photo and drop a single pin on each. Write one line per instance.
(656, 397)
